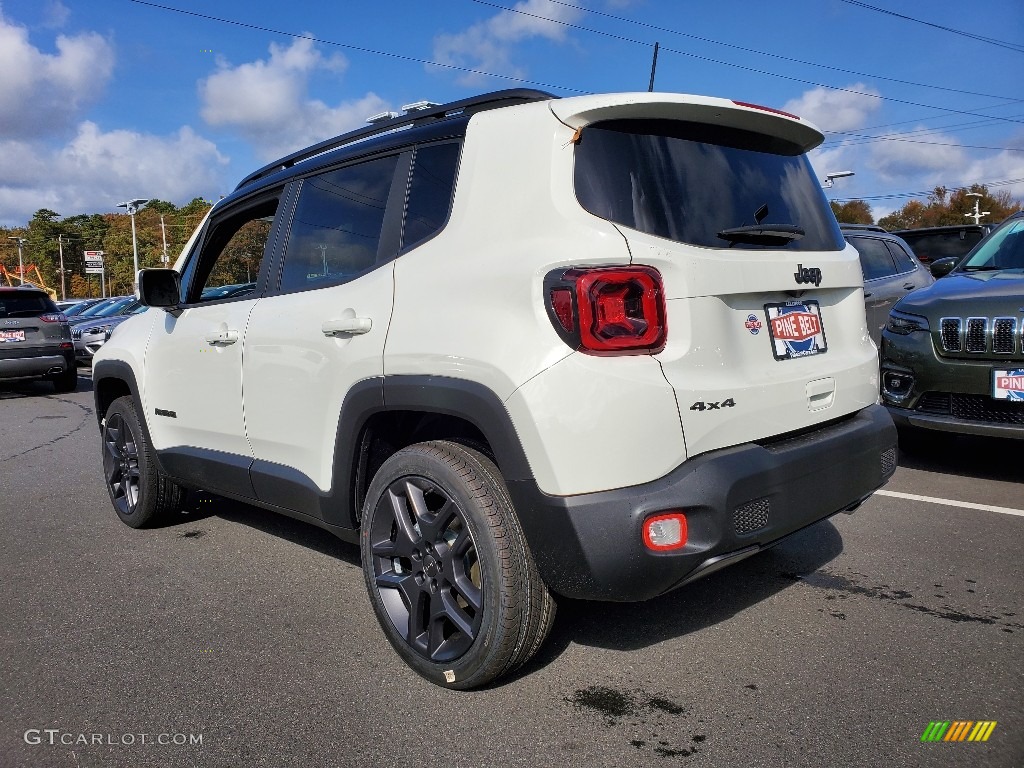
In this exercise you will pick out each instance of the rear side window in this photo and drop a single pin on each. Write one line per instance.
(939, 245)
(689, 181)
(430, 192)
(27, 305)
(904, 262)
(336, 232)
(875, 259)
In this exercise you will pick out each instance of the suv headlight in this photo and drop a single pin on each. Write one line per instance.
(904, 324)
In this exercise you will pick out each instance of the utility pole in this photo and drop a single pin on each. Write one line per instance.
(654, 66)
(60, 247)
(21, 266)
(163, 231)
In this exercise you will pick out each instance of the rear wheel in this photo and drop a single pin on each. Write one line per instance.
(67, 381)
(447, 567)
(142, 496)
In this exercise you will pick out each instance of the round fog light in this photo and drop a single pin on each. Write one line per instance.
(664, 532)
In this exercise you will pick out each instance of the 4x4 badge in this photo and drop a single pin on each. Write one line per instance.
(807, 275)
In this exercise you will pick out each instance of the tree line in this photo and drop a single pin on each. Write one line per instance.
(47, 234)
(942, 207)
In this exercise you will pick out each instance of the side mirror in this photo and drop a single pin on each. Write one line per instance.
(942, 267)
(159, 288)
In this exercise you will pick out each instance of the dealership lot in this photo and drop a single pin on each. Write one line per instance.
(252, 633)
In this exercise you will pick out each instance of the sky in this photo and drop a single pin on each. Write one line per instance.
(102, 101)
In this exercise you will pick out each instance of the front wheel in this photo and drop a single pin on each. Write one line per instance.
(142, 496)
(447, 567)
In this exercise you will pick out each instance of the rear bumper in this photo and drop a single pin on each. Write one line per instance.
(36, 367)
(737, 502)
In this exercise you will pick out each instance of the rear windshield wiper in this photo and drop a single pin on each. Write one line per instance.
(763, 234)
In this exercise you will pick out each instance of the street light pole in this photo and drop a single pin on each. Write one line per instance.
(132, 206)
(163, 231)
(21, 267)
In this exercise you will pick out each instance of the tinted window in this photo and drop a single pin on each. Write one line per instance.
(229, 261)
(336, 231)
(934, 246)
(25, 305)
(689, 181)
(904, 261)
(1004, 249)
(430, 193)
(875, 259)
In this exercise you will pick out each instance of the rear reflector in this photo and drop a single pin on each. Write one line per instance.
(665, 532)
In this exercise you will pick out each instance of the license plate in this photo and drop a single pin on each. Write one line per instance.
(6, 336)
(1008, 384)
(796, 329)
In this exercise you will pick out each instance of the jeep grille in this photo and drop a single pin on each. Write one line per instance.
(999, 335)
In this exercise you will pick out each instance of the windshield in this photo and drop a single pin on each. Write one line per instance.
(704, 184)
(1004, 249)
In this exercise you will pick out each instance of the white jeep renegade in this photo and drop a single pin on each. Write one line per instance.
(515, 346)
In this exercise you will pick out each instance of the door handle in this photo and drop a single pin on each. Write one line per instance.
(222, 338)
(909, 286)
(867, 295)
(346, 325)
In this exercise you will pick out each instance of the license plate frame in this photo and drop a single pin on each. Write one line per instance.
(796, 329)
(1008, 385)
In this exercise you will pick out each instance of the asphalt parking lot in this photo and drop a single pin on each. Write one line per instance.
(239, 638)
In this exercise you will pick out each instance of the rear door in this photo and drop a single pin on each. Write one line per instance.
(766, 328)
(882, 283)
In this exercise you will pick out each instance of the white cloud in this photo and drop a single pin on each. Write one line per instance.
(267, 101)
(42, 93)
(95, 170)
(56, 14)
(933, 162)
(488, 45)
(833, 110)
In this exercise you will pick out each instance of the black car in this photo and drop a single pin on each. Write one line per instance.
(891, 271)
(932, 243)
(953, 354)
(35, 340)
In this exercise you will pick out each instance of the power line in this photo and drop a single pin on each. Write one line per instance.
(869, 139)
(988, 120)
(699, 38)
(990, 40)
(740, 66)
(897, 195)
(361, 49)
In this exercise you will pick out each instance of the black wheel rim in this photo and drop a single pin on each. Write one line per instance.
(121, 464)
(425, 568)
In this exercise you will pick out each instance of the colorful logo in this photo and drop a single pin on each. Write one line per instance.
(796, 329)
(958, 730)
(753, 324)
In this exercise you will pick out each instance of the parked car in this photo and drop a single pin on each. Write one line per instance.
(106, 308)
(80, 306)
(513, 346)
(35, 341)
(932, 243)
(92, 334)
(890, 271)
(953, 353)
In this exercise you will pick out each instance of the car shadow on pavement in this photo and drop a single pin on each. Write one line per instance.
(704, 603)
(985, 458)
(16, 389)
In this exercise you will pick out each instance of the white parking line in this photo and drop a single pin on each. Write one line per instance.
(953, 503)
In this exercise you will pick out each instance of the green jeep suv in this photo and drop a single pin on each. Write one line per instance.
(953, 353)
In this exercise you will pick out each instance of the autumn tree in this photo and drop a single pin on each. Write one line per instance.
(852, 212)
(944, 207)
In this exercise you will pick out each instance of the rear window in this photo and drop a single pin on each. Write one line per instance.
(939, 245)
(29, 305)
(689, 182)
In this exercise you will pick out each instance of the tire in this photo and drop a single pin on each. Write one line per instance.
(448, 570)
(141, 494)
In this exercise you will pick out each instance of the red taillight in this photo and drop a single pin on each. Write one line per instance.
(765, 109)
(54, 317)
(665, 532)
(617, 310)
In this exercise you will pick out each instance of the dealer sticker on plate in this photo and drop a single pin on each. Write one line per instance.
(1008, 385)
(6, 336)
(795, 329)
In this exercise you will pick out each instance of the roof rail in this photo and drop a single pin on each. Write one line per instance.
(383, 124)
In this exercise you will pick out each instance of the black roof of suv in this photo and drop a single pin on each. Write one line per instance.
(35, 340)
